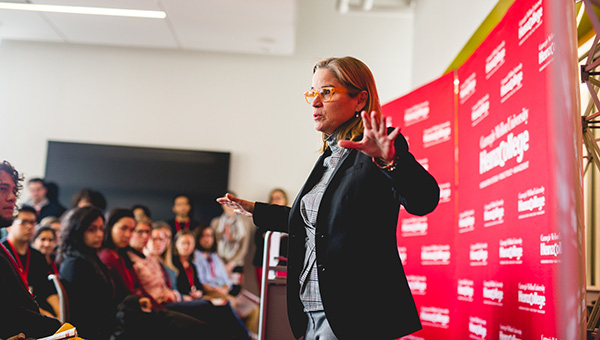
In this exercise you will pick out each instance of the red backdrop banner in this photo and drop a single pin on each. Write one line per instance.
(486, 264)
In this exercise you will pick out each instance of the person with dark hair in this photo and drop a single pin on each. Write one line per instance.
(44, 241)
(19, 311)
(30, 262)
(88, 197)
(342, 225)
(40, 202)
(92, 302)
(182, 208)
(115, 245)
(215, 279)
(140, 211)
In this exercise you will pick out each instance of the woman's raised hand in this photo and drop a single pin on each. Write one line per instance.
(376, 142)
(239, 205)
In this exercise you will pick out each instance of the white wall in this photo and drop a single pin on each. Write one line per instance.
(442, 28)
(249, 105)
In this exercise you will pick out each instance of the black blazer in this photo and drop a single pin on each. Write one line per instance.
(363, 287)
(19, 311)
(91, 294)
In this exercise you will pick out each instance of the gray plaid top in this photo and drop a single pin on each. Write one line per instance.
(309, 209)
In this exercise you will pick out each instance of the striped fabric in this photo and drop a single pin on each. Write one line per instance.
(309, 209)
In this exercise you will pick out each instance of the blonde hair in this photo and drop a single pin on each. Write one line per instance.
(167, 256)
(356, 77)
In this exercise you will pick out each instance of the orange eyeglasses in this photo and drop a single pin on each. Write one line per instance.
(325, 93)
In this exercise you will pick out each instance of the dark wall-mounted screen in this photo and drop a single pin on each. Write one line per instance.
(133, 175)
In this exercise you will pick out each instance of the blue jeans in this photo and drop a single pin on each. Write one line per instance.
(318, 327)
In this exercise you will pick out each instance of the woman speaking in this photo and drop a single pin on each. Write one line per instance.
(345, 278)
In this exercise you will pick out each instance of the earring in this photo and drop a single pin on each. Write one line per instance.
(357, 114)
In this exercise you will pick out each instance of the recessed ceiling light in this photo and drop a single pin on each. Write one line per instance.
(84, 10)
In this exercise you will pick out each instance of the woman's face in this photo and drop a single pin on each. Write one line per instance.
(207, 239)
(140, 237)
(45, 242)
(121, 232)
(277, 197)
(157, 244)
(93, 235)
(328, 116)
(185, 245)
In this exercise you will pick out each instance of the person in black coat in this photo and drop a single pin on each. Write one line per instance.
(88, 285)
(342, 225)
(19, 312)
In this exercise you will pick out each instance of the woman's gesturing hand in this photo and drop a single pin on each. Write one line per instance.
(239, 205)
(376, 141)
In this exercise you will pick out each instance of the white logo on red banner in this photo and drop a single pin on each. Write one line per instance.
(493, 293)
(416, 113)
(480, 110)
(546, 52)
(530, 22)
(445, 192)
(511, 83)
(465, 290)
(435, 317)
(478, 254)
(550, 248)
(511, 251)
(477, 328)
(495, 60)
(414, 226)
(513, 147)
(437, 134)
(466, 221)
(510, 333)
(468, 87)
(402, 252)
(493, 213)
(532, 297)
(417, 284)
(531, 202)
(437, 254)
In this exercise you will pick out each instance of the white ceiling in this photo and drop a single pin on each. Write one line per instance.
(237, 26)
(242, 26)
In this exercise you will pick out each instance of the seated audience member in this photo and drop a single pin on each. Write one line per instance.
(166, 256)
(188, 283)
(30, 262)
(19, 311)
(214, 278)
(88, 197)
(140, 211)
(54, 223)
(153, 280)
(279, 197)
(233, 233)
(44, 241)
(118, 232)
(40, 202)
(182, 208)
(92, 304)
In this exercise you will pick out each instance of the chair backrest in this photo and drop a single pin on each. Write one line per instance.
(62, 298)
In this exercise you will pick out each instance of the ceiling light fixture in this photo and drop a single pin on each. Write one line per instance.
(84, 10)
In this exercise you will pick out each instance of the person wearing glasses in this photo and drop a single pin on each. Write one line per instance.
(342, 225)
(19, 311)
(30, 262)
